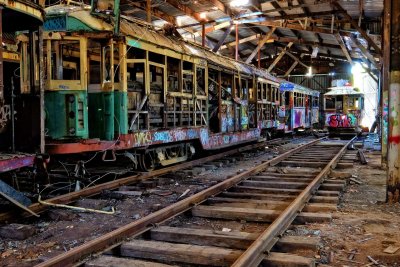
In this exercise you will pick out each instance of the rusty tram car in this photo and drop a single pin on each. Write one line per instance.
(115, 88)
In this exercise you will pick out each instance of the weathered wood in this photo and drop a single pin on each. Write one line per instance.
(108, 261)
(202, 255)
(257, 196)
(344, 165)
(331, 187)
(235, 239)
(319, 207)
(275, 184)
(303, 164)
(279, 57)
(269, 204)
(344, 48)
(265, 190)
(285, 259)
(324, 199)
(258, 215)
(280, 179)
(182, 253)
(260, 45)
(292, 243)
(327, 193)
(289, 174)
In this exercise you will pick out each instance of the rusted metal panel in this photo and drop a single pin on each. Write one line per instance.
(14, 162)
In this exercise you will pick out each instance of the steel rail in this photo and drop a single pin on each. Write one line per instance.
(254, 254)
(115, 237)
(97, 189)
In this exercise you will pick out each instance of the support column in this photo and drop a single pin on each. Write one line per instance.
(1, 58)
(41, 89)
(385, 81)
(393, 178)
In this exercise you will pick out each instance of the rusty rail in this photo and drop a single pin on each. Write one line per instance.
(254, 254)
(115, 237)
(97, 189)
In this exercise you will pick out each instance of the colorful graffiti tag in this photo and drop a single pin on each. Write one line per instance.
(338, 120)
(299, 117)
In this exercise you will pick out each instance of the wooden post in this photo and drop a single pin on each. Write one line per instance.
(385, 80)
(393, 179)
(203, 35)
(41, 89)
(148, 11)
(237, 42)
(1, 58)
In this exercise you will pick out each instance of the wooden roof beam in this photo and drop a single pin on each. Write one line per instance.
(365, 52)
(344, 48)
(260, 45)
(354, 23)
(281, 54)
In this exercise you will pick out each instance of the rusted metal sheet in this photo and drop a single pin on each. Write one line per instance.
(13, 162)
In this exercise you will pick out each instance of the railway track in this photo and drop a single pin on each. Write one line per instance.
(94, 190)
(259, 204)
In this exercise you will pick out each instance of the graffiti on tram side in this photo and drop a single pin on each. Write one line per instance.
(337, 120)
(225, 139)
(315, 115)
(299, 117)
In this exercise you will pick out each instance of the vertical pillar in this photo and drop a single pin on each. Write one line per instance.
(203, 35)
(148, 11)
(1, 58)
(393, 178)
(41, 88)
(259, 54)
(237, 42)
(385, 81)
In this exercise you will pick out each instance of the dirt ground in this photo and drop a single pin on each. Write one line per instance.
(364, 225)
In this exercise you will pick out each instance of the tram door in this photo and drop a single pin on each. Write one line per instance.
(288, 110)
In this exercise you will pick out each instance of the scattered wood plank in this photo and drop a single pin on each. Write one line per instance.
(107, 261)
(249, 214)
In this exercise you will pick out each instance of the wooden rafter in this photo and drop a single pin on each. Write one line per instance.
(291, 68)
(357, 27)
(260, 45)
(279, 57)
(365, 52)
(344, 48)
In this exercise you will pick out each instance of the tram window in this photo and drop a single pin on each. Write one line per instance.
(226, 80)
(330, 103)
(245, 88)
(136, 77)
(106, 59)
(201, 81)
(173, 66)
(116, 65)
(94, 52)
(259, 90)
(157, 58)
(187, 82)
(156, 79)
(265, 91)
(65, 60)
(187, 65)
(135, 53)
